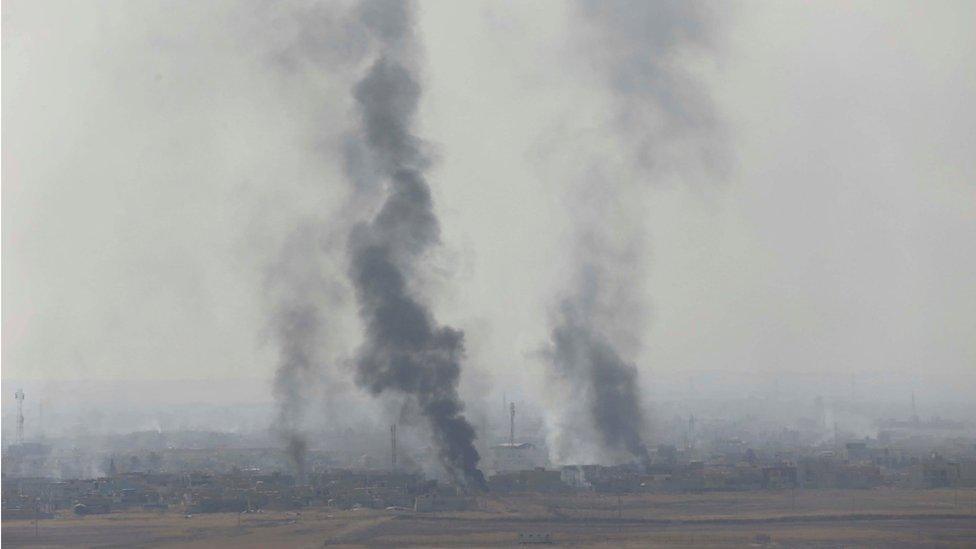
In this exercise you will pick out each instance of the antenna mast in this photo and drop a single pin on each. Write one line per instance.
(511, 427)
(393, 448)
(19, 395)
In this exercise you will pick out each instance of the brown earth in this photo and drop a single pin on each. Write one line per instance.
(850, 518)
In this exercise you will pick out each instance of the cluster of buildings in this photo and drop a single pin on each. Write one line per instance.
(858, 465)
(238, 492)
(197, 473)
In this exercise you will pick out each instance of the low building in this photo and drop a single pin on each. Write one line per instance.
(858, 451)
(535, 480)
(517, 456)
(426, 503)
(826, 472)
(935, 472)
(779, 476)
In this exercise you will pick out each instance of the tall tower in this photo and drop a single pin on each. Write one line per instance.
(511, 426)
(19, 395)
(393, 450)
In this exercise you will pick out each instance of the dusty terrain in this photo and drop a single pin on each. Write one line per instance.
(852, 518)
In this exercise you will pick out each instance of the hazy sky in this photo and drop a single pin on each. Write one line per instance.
(156, 154)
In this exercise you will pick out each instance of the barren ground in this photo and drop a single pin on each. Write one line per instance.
(851, 518)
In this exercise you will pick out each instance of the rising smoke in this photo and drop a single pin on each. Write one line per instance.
(298, 286)
(404, 350)
(313, 48)
(587, 357)
(661, 115)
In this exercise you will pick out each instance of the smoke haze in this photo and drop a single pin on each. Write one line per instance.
(765, 201)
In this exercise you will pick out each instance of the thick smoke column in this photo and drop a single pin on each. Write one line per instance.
(404, 350)
(296, 333)
(313, 48)
(298, 285)
(581, 352)
(661, 114)
(585, 356)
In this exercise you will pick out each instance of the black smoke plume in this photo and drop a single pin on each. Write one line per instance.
(584, 353)
(664, 123)
(404, 349)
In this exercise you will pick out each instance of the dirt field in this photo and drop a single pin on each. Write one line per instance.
(855, 518)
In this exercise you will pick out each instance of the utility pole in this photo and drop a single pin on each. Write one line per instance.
(511, 427)
(393, 448)
(19, 395)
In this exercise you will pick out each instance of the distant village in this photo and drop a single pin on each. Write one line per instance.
(200, 472)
